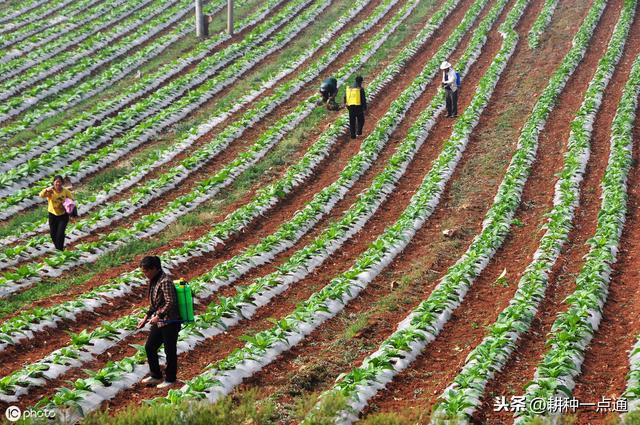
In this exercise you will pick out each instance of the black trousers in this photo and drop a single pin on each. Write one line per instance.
(57, 227)
(356, 120)
(167, 335)
(452, 102)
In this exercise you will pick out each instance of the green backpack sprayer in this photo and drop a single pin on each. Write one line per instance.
(185, 300)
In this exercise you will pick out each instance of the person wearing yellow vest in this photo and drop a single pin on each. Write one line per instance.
(58, 216)
(356, 102)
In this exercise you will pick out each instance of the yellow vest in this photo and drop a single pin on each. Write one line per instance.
(353, 96)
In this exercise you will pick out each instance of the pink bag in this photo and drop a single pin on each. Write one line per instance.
(69, 205)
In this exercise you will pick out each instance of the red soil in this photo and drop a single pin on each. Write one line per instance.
(327, 352)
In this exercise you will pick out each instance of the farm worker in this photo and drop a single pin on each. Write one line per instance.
(58, 215)
(164, 318)
(329, 89)
(356, 102)
(451, 89)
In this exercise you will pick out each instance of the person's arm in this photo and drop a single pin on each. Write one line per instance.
(363, 97)
(45, 193)
(170, 298)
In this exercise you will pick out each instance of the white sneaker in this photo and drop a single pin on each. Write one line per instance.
(166, 384)
(150, 380)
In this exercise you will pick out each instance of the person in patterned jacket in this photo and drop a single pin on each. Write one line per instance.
(164, 317)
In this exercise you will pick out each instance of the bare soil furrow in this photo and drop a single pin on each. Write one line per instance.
(606, 361)
(562, 279)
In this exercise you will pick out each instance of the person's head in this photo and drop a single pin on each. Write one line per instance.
(150, 266)
(359, 80)
(57, 182)
(445, 66)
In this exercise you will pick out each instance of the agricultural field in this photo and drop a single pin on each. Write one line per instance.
(480, 269)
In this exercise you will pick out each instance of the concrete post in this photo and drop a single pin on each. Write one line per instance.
(230, 17)
(200, 23)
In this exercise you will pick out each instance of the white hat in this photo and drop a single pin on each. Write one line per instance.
(445, 65)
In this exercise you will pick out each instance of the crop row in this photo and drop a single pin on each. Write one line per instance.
(59, 99)
(541, 23)
(205, 189)
(98, 54)
(463, 395)
(401, 348)
(150, 115)
(229, 311)
(426, 321)
(74, 16)
(614, 215)
(574, 328)
(30, 12)
(236, 221)
(21, 72)
(34, 53)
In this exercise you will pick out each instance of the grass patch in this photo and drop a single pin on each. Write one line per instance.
(97, 181)
(563, 420)
(18, 220)
(228, 411)
(632, 418)
(326, 411)
(127, 252)
(356, 326)
(394, 418)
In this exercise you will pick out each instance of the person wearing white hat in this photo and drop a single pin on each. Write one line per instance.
(450, 84)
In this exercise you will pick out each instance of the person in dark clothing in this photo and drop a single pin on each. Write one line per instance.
(356, 102)
(58, 216)
(451, 89)
(329, 89)
(164, 318)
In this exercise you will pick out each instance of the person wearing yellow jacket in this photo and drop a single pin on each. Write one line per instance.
(58, 216)
(356, 102)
